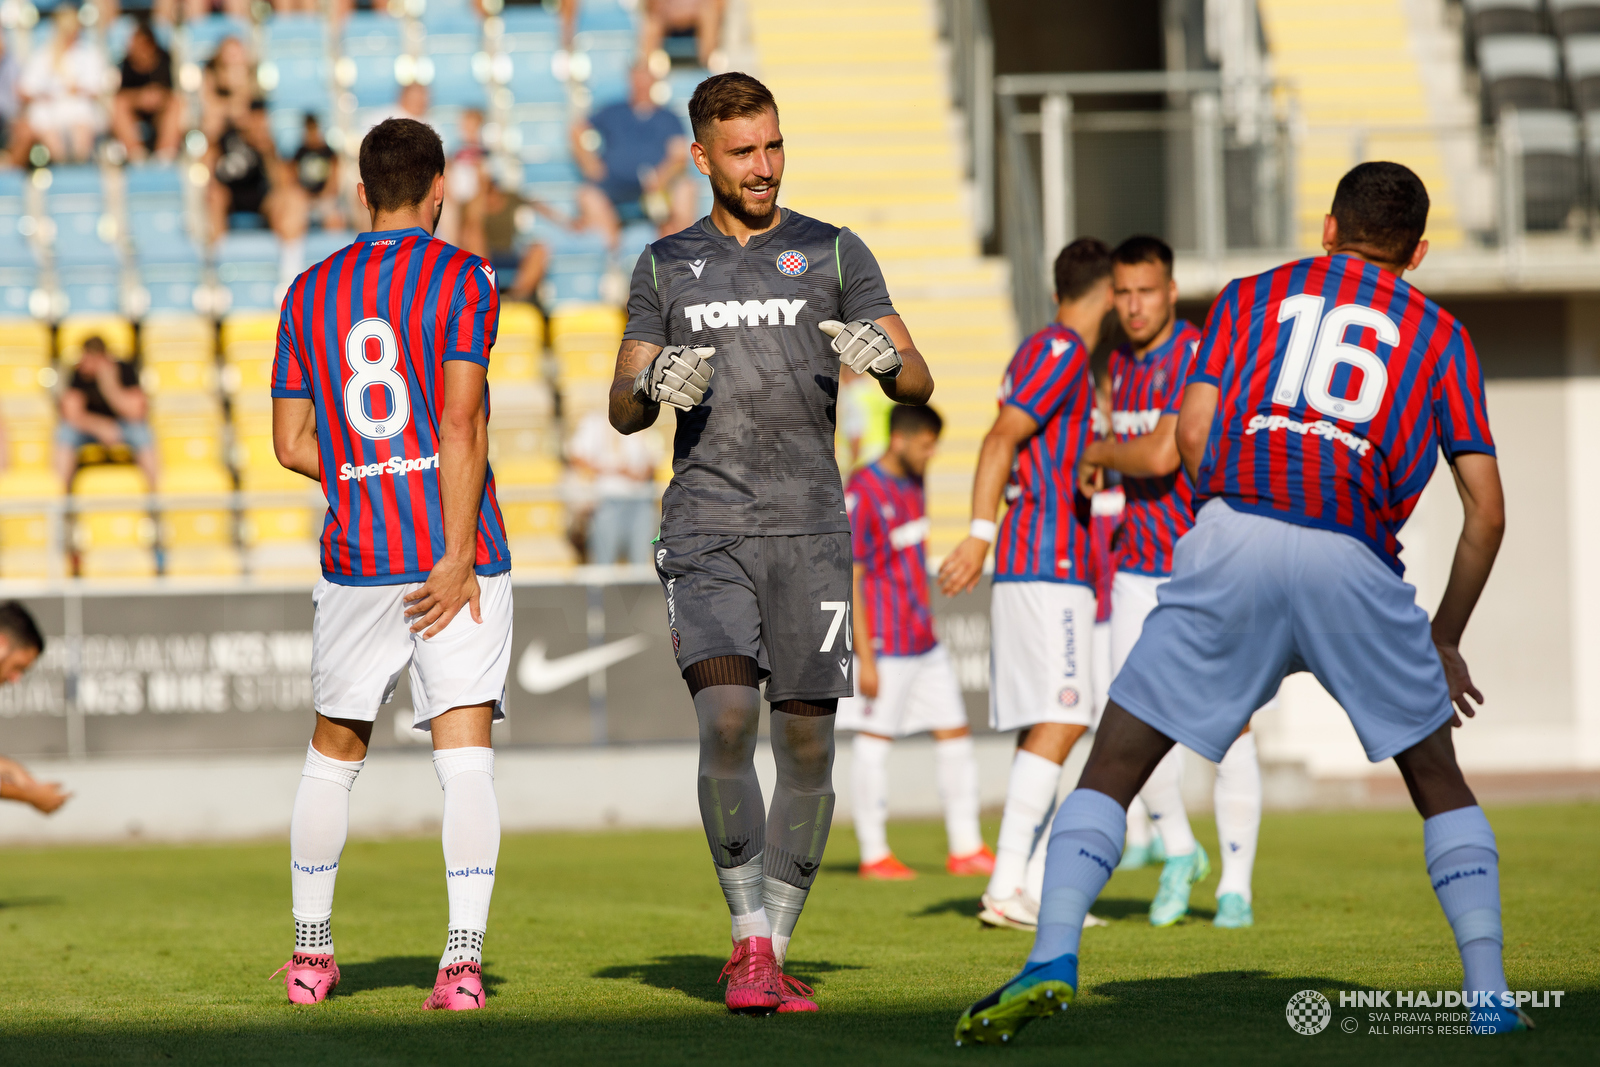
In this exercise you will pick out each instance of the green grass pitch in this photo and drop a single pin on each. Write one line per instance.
(605, 949)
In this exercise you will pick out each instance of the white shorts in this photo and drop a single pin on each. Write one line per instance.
(361, 641)
(1042, 654)
(915, 694)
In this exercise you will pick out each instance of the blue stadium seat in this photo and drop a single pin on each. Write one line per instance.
(633, 240)
(16, 254)
(604, 16)
(153, 178)
(289, 125)
(442, 26)
(320, 244)
(302, 82)
(78, 241)
(13, 188)
(93, 290)
(455, 83)
(608, 74)
(156, 229)
(205, 34)
(247, 266)
(170, 271)
(533, 82)
(531, 27)
(540, 140)
(683, 82)
(371, 43)
(154, 194)
(295, 35)
(374, 84)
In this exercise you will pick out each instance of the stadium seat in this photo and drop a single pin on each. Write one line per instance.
(298, 82)
(19, 280)
(320, 244)
(29, 544)
(367, 67)
(518, 347)
(202, 36)
(30, 422)
(1551, 170)
(1582, 55)
(1575, 16)
(1486, 18)
(197, 521)
(457, 82)
(247, 268)
(1520, 70)
(607, 79)
(534, 82)
(585, 339)
(113, 533)
(295, 35)
(24, 362)
(596, 17)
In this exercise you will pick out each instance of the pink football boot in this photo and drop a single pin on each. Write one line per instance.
(794, 995)
(752, 977)
(459, 987)
(309, 977)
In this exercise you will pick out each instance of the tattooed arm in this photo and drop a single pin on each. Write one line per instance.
(631, 412)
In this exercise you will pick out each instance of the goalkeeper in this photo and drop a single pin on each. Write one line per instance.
(740, 322)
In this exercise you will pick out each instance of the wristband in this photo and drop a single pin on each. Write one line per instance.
(983, 530)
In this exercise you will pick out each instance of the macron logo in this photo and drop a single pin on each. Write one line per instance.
(747, 313)
(488, 272)
(697, 266)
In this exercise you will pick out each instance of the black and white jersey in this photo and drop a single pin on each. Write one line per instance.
(756, 456)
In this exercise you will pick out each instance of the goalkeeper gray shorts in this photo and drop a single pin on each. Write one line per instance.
(784, 601)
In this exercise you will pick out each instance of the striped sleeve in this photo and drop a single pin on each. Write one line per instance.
(862, 518)
(1183, 364)
(1217, 341)
(290, 379)
(1043, 377)
(1459, 411)
(474, 316)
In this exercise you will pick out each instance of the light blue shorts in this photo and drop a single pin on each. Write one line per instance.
(1253, 599)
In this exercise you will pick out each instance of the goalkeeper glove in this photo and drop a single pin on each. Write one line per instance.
(864, 346)
(678, 376)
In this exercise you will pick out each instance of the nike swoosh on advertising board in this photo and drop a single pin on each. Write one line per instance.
(539, 675)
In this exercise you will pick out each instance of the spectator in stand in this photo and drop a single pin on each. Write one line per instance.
(700, 19)
(466, 185)
(103, 403)
(241, 162)
(412, 103)
(622, 472)
(228, 88)
(146, 115)
(316, 177)
(21, 644)
(505, 215)
(632, 155)
(61, 87)
(10, 100)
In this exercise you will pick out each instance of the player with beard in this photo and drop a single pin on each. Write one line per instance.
(754, 554)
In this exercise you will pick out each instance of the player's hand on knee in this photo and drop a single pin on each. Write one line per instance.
(863, 346)
(963, 567)
(1459, 679)
(677, 377)
(450, 587)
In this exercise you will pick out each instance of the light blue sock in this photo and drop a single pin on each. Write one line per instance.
(1085, 847)
(1464, 867)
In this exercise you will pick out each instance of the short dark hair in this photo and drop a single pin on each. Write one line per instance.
(1382, 206)
(1143, 249)
(1080, 265)
(915, 418)
(399, 160)
(19, 628)
(94, 343)
(734, 95)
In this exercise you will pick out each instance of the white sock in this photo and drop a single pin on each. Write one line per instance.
(317, 831)
(1163, 798)
(1464, 866)
(742, 888)
(1237, 797)
(1030, 794)
(1033, 880)
(1139, 829)
(1085, 847)
(955, 768)
(471, 838)
(869, 778)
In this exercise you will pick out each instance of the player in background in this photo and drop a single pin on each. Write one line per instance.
(1042, 608)
(754, 553)
(379, 392)
(904, 681)
(1147, 377)
(21, 645)
(1322, 394)
(1106, 504)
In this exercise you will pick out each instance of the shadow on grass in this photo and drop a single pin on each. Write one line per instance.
(399, 972)
(954, 906)
(697, 976)
(29, 902)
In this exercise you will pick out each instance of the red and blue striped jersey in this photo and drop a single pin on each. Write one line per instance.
(1338, 384)
(888, 532)
(1042, 538)
(365, 335)
(1158, 510)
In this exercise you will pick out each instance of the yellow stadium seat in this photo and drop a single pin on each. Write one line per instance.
(521, 327)
(534, 518)
(162, 329)
(186, 376)
(259, 469)
(203, 561)
(120, 562)
(28, 545)
(115, 541)
(245, 376)
(249, 326)
(24, 340)
(115, 331)
(528, 470)
(26, 379)
(28, 563)
(196, 507)
(281, 525)
(30, 423)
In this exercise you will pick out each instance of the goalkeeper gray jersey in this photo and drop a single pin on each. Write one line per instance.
(757, 455)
